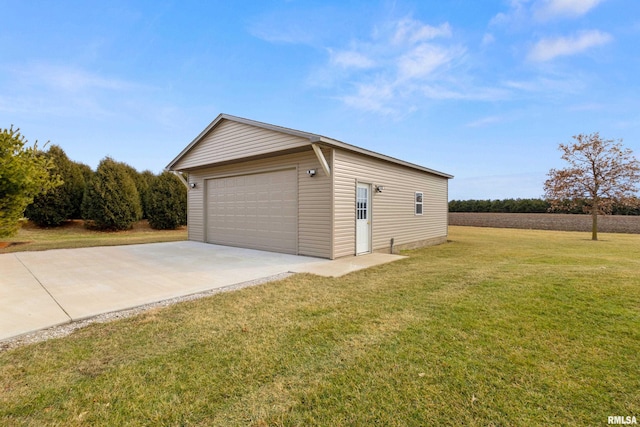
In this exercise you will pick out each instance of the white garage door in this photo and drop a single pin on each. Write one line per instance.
(258, 211)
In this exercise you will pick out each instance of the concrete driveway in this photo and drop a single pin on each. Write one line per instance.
(43, 289)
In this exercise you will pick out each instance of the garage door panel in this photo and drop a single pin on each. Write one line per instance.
(257, 211)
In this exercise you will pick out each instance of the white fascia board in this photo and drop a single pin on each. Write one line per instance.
(179, 175)
(321, 159)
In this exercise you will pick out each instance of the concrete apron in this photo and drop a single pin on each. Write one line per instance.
(43, 289)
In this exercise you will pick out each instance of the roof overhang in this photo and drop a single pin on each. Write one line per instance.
(314, 141)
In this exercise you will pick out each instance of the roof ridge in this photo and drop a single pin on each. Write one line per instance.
(313, 138)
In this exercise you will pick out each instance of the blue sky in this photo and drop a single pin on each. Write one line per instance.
(484, 90)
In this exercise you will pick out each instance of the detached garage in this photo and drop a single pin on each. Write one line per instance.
(266, 187)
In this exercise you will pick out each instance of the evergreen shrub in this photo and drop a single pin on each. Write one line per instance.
(166, 202)
(111, 200)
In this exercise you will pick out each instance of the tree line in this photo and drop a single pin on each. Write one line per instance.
(49, 188)
(502, 206)
(532, 206)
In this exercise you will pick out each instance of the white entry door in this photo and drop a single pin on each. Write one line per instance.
(363, 219)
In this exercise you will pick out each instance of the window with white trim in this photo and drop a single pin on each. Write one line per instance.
(418, 203)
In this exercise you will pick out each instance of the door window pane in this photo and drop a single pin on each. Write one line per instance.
(361, 203)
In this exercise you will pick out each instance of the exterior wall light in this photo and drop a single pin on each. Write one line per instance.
(311, 172)
(192, 184)
(379, 188)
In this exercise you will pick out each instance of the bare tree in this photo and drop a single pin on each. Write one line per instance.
(601, 174)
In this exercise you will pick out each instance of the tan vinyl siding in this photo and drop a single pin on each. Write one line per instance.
(232, 140)
(314, 198)
(393, 214)
(195, 213)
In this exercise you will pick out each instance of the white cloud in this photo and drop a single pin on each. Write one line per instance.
(404, 64)
(524, 85)
(549, 9)
(436, 91)
(516, 14)
(588, 106)
(423, 60)
(373, 97)
(500, 18)
(67, 91)
(522, 12)
(350, 59)
(67, 78)
(485, 121)
(292, 26)
(549, 85)
(288, 35)
(550, 48)
(488, 39)
(395, 68)
(412, 31)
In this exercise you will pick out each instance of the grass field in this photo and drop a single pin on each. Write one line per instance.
(547, 221)
(73, 234)
(498, 327)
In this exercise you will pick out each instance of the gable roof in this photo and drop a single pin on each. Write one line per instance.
(312, 137)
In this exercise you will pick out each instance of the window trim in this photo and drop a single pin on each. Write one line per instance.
(418, 203)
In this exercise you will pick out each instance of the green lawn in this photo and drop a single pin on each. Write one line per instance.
(498, 327)
(73, 234)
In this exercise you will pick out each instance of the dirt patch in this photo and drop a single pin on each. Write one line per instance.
(69, 224)
(545, 221)
(8, 244)
(75, 224)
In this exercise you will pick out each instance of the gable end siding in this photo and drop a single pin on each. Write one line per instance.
(231, 140)
(393, 213)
